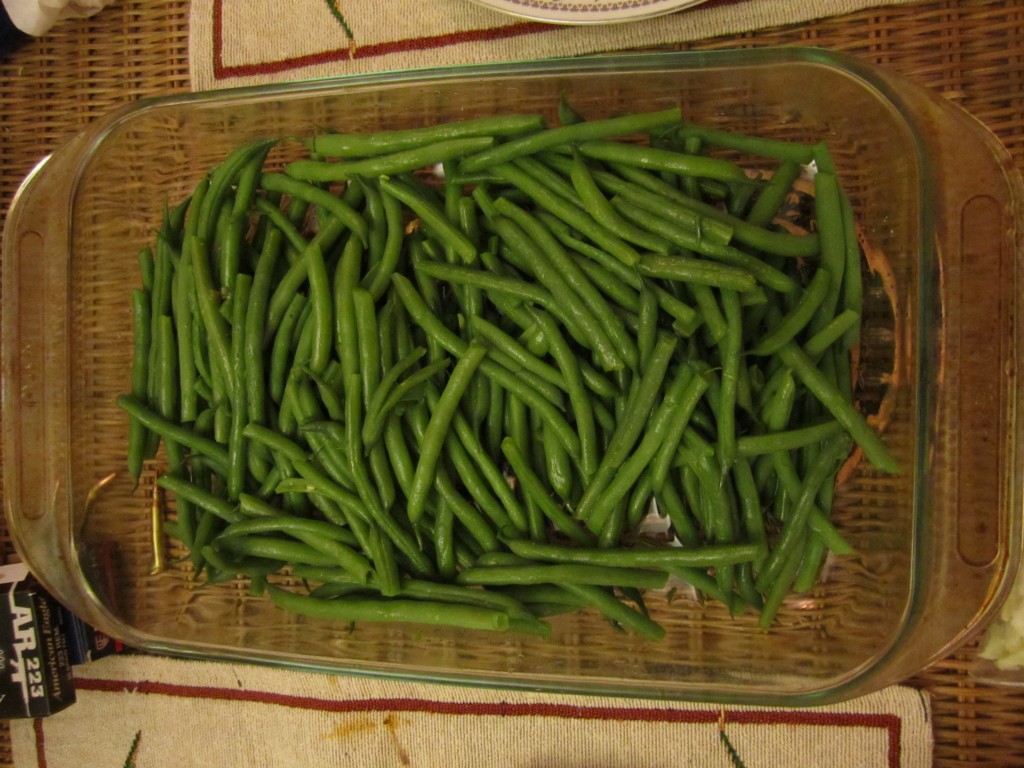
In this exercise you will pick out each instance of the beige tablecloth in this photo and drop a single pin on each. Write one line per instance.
(262, 41)
(149, 712)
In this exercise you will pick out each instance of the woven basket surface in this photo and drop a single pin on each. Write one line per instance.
(970, 51)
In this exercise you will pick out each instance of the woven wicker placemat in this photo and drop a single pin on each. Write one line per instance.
(969, 50)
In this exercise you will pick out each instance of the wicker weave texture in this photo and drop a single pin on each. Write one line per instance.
(970, 51)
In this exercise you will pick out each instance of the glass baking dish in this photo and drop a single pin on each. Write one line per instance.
(934, 194)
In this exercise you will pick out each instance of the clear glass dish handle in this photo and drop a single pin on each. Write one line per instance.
(35, 372)
(971, 463)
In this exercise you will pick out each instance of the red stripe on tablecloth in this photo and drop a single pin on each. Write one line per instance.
(426, 42)
(890, 723)
(37, 727)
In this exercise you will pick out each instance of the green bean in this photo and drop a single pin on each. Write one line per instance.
(570, 214)
(629, 428)
(696, 241)
(209, 311)
(773, 193)
(221, 179)
(794, 525)
(647, 333)
(594, 129)
(828, 209)
(711, 313)
(789, 440)
(668, 412)
(696, 271)
(398, 453)
(141, 322)
(753, 145)
(378, 277)
(439, 421)
(376, 419)
(519, 290)
(562, 575)
(842, 326)
(706, 556)
(184, 316)
(472, 522)
(779, 588)
(356, 515)
(354, 448)
(387, 384)
(813, 555)
(171, 431)
(501, 341)
(474, 483)
(346, 279)
(533, 486)
(314, 533)
(616, 611)
(339, 209)
(255, 320)
(433, 217)
(564, 302)
(398, 162)
(663, 160)
(798, 317)
(382, 552)
(422, 315)
(729, 353)
(368, 344)
(574, 277)
(671, 504)
(444, 540)
(590, 256)
(281, 347)
(160, 301)
(768, 241)
(400, 610)
(386, 142)
(578, 397)
(853, 288)
(544, 174)
(695, 387)
(790, 485)
(603, 211)
(841, 409)
(222, 508)
(237, 455)
(295, 276)
(281, 223)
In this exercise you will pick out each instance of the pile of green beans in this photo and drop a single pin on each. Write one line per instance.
(451, 374)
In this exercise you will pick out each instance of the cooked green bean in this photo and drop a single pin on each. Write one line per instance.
(769, 241)
(214, 452)
(696, 271)
(840, 408)
(575, 217)
(386, 142)
(358, 609)
(597, 575)
(385, 164)
(202, 498)
(433, 441)
(535, 142)
(798, 317)
(789, 440)
(663, 160)
(433, 217)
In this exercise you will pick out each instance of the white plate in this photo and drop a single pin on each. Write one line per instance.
(588, 11)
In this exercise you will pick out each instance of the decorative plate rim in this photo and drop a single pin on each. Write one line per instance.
(592, 12)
